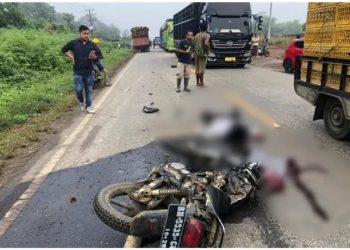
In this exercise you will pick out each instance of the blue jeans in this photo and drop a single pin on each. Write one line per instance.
(84, 82)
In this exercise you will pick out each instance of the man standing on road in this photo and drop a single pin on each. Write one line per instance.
(255, 43)
(83, 52)
(201, 43)
(184, 53)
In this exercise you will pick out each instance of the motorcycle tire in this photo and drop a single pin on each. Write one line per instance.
(105, 210)
(103, 77)
(94, 74)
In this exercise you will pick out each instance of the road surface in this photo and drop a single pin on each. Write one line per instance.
(117, 145)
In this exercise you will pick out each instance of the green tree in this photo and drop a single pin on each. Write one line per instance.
(39, 10)
(126, 33)
(107, 32)
(304, 27)
(69, 20)
(281, 28)
(11, 14)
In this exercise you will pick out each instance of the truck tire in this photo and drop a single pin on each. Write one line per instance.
(288, 66)
(335, 122)
(106, 212)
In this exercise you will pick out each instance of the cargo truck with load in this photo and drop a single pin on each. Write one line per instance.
(140, 39)
(322, 74)
(229, 25)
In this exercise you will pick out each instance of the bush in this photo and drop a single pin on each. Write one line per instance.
(25, 55)
(35, 75)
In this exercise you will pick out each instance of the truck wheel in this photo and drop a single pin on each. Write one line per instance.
(288, 66)
(334, 120)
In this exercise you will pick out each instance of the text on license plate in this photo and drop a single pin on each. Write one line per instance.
(173, 226)
(230, 59)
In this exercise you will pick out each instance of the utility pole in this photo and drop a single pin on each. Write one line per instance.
(90, 21)
(269, 33)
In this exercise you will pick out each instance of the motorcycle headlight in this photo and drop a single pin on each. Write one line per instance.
(247, 54)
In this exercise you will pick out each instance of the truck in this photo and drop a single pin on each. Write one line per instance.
(167, 36)
(322, 73)
(230, 27)
(140, 39)
(156, 41)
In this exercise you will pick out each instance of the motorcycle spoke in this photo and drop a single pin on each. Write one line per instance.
(122, 204)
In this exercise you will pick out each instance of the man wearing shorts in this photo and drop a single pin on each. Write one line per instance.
(184, 53)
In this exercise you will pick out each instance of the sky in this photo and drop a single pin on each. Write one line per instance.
(153, 15)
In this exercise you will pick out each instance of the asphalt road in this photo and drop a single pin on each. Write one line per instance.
(117, 145)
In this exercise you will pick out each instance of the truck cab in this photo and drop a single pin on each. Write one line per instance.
(230, 33)
(168, 36)
(229, 26)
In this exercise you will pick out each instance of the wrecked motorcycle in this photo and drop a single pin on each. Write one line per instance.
(183, 208)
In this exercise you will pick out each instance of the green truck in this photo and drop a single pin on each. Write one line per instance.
(166, 36)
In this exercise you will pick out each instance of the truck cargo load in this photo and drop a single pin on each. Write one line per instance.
(322, 75)
(140, 39)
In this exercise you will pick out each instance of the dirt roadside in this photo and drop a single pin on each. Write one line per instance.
(274, 61)
(12, 169)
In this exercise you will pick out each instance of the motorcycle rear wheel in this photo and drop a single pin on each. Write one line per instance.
(104, 201)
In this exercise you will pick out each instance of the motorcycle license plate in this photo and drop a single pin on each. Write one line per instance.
(174, 225)
(230, 59)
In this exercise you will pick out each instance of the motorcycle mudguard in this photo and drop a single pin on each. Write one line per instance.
(221, 202)
(149, 224)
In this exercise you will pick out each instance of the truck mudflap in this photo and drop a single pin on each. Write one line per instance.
(317, 79)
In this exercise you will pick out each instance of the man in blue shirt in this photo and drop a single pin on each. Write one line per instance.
(82, 53)
(184, 53)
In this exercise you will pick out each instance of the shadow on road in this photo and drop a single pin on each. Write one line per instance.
(51, 220)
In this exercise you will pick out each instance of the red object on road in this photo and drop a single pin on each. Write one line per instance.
(273, 182)
(72, 199)
(295, 48)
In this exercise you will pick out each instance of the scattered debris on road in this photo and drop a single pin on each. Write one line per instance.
(72, 199)
(150, 109)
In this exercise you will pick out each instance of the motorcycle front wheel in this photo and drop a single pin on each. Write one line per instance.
(114, 206)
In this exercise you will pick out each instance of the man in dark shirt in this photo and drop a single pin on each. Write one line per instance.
(184, 53)
(83, 52)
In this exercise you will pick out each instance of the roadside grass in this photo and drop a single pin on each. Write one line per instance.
(25, 112)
